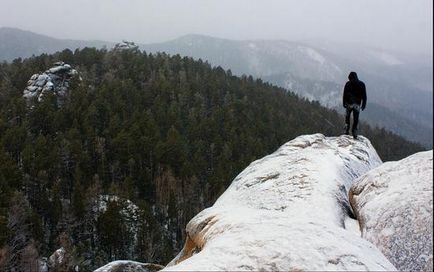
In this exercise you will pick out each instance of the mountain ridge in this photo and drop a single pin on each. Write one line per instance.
(27, 43)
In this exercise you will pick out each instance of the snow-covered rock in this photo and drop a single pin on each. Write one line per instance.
(43, 264)
(287, 211)
(56, 259)
(394, 205)
(55, 80)
(125, 45)
(129, 266)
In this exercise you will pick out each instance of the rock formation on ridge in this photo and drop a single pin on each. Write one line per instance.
(54, 80)
(125, 45)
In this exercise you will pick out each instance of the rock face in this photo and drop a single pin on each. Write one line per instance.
(129, 266)
(55, 80)
(288, 211)
(394, 205)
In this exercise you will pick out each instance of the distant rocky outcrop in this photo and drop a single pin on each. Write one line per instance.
(129, 266)
(125, 45)
(287, 212)
(55, 80)
(394, 205)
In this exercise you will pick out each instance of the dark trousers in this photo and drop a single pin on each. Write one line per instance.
(355, 109)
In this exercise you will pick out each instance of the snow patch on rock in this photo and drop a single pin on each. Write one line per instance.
(43, 264)
(394, 205)
(287, 211)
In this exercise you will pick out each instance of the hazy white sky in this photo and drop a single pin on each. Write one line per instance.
(404, 25)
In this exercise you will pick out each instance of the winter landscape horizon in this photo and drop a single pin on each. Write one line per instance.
(216, 135)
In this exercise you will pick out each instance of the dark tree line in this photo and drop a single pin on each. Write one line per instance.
(165, 132)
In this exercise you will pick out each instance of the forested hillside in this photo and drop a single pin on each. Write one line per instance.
(399, 86)
(143, 143)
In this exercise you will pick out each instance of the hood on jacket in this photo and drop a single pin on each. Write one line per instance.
(353, 76)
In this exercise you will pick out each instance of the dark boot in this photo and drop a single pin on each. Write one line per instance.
(355, 133)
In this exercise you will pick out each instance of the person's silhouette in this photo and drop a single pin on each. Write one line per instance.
(354, 99)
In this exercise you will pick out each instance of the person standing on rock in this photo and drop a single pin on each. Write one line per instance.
(354, 100)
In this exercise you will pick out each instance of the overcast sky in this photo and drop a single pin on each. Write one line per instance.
(403, 25)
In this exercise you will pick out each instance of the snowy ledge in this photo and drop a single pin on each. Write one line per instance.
(287, 211)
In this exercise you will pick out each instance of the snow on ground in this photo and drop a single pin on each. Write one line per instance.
(287, 211)
(394, 203)
(128, 266)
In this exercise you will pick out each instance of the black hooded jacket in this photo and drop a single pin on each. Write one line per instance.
(354, 91)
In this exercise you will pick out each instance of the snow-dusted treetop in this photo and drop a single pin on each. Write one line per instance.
(288, 211)
(394, 204)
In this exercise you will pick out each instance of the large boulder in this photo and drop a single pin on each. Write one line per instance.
(288, 211)
(394, 205)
